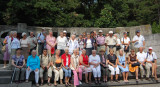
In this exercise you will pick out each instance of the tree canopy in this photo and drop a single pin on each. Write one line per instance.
(81, 13)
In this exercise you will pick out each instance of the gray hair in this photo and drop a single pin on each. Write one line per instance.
(94, 51)
(66, 48)
(14, 32)
(83, 50)
(34, 51)
(23, 34)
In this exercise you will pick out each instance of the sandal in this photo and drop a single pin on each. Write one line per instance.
(49, 84)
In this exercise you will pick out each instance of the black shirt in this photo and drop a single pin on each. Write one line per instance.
(112, 59)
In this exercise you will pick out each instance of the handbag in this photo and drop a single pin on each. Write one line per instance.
(118, 47)
(136, 64)
(3, 48)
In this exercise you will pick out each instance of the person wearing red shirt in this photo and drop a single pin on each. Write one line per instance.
(66, 59)
(84, 65)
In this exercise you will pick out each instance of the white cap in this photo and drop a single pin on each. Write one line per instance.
(23, 34)
(100, 31)
(150, 48)
(110, 32)
(64, 31)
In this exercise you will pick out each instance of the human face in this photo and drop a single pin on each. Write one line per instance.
(100, 33)
(83, 52)
(80, 36)
(121, 52)
(31, 34)
(73, 37)
(64, 34)
(45, 52)
(138, 34)
(111, 34)
(125, 35)
(111, 52)
(75, 52)
(141, 49)
(132, 52)
(25, 36)
(150, 51)
(61, 34)
(33, 53)
(18, 51)
(94, 53)
(88, 36)
(58, 52)
(107, 35)
(102, 52)
(66, 51)
(51, 33)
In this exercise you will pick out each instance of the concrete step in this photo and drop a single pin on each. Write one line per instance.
(17, 85)
(6, 73)
(5, 79)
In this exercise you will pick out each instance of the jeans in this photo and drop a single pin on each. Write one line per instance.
(36, 74)
(67, 72)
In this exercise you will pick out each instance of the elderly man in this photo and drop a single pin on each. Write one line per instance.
(61, 43)
(94, 61)
(138, 41)
(100, 41)
(141, 56)
(33, 64)
(73, 44)
(41, 41)
(45, 66)
(111, 42)
(151, 62)
(32, 42)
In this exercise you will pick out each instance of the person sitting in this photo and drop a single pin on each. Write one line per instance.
(84, 65)
(141, 56)
(104, 66)
(75, 67)
(33, 64)
(151, 62)
(66, 60)
(56, 63)
(45, 66)
(133, 63)
(94, 61)
(112, 61)
(18, 63)
(122, 64)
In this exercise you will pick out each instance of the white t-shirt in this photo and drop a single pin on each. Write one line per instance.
(61, 42)
(30, 41)
(125, 40)
(151, 57)
(66, 61)
(141, 56)
(139, 43)
(24, 43)
(118, 41)
(89, 44)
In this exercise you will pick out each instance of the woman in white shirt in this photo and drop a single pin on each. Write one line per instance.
(24, 45)
(125, 43)
(88, 44)
(118, 45)
(61, 43)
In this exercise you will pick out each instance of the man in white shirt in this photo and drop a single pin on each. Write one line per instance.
(61, 43)
(151, 62)
(138, 41)
(141, 56)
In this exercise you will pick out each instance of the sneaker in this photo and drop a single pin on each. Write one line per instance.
(147, 79)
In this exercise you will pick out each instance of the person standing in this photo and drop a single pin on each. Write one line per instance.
(111, 42)
(125, 43)
(81, 44)
(32, 42)
(73, 44)
(100, 41)
(88, 45)
(138, 41)
(41, 41)
(51, 43)
(61, 43)
(15, 44)
(141, 56)
(25, 45)
(94, 61)
(118, 45)
(6, 56)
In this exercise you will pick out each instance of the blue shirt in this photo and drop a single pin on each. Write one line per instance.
(33, 63)
(41, 36)
(15, 43)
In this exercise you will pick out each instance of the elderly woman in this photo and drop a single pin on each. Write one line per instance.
(125, 43)
(61, 43)
(132, 59)
(18, 62)
(73, 44)
(88, 44)
(6, 56)
(81, 44)
(84, 65)
(33, 64)
(112, 61)
(75, 67)
(32, 42)
(51, 42)
(56, 63)
(122, 64)
(24, 45)
(15, 44)
(104, 66)
(94, 61)
(118, 45)
(66, 60)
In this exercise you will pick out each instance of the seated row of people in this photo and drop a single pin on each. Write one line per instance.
(79, 64)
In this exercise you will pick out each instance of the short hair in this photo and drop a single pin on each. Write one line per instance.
(11, 32)
(94, 50)
(111, 50)
(44, 49)
(66, 48)
(18, 49)
(23, 34)
(14, 32)
(33, 51)
(83, 50)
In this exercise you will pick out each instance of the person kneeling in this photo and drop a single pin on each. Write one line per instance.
(94, 61)
(122, 64)
(18, 63)
(33, 64)
(45, 66)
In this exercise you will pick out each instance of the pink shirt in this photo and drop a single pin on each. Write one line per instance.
(100, 40)
(51, 40)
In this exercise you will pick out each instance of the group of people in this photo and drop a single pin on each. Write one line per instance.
(89, 54)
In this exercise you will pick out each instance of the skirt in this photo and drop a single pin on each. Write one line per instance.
(123, 69)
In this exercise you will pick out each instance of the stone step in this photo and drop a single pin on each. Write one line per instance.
(5, 79)
(17, 85)
(6, 73)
